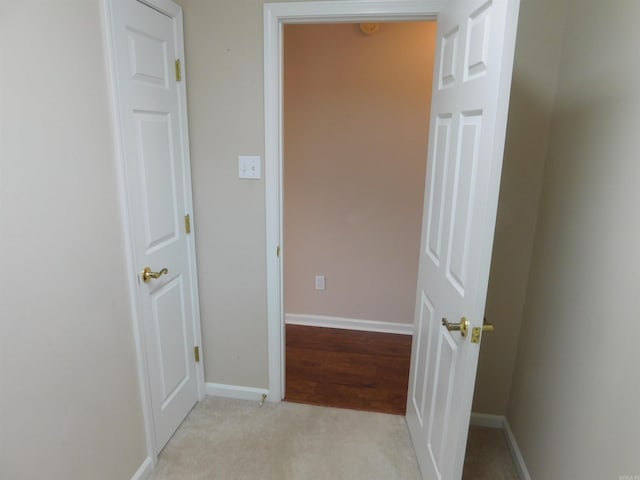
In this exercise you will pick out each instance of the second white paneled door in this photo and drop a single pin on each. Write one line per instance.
(146, 43)
(472, 80)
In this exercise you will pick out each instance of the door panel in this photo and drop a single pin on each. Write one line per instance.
(474, 59)
(464, 184)
(157, 178)
(477, 48)
(148, 58)
(445, 372)
(437, 188)
(420, 349)
(170, 323)
(158, 193)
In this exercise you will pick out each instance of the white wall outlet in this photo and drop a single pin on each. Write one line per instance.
(249, 167)
(320, 282)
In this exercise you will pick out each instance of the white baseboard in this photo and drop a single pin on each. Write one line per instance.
(500, 421)
(348, 323)
(235, 391)
(523, 473)
(144, 470)
(487, 420)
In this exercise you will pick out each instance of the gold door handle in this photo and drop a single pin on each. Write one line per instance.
(147, 274)
(462, 327)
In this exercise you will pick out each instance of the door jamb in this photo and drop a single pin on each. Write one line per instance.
(275, 16)
(174, 11)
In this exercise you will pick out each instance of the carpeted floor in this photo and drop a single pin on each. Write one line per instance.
(488, 456)
(225, 439)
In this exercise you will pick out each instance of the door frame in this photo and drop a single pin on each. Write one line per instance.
(174, 11)
(275, 16)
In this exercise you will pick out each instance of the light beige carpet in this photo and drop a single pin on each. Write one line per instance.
(235, 440)
(224, 439)
(488, 456)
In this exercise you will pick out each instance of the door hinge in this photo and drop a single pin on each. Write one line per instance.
(278, 251)
(187, 223)
(196, 353)
(178, 70)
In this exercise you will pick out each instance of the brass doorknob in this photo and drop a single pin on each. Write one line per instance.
(462, 327)
(147, 274)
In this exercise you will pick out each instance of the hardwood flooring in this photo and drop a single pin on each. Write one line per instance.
(347, 368)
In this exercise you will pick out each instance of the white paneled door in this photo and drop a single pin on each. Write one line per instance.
(146, 43)
(472, 80)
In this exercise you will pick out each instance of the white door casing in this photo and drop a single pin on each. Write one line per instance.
(275, 15)
(472, 81)
(151, 133)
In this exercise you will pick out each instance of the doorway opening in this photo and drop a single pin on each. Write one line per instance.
(276, 16)
(356, 100)
(476, 40)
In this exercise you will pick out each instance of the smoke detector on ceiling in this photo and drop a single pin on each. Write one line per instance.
(369, 28)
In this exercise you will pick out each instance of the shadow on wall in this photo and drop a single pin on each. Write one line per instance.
(522, 170)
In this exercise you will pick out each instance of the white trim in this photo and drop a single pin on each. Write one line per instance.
(236, 391)
(348, 323)
(501, 422)
(354, 11)
(487, 420)
(174, 11)
(275, 15)
(166, 7)
(188, 187)
(145, 469)
(273, 187)
(523, 472)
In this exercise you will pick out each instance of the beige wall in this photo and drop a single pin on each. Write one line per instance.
(69, 396)
(535, 69)
(356, 127)
(224, 44)
(574, 406)
(224, 72)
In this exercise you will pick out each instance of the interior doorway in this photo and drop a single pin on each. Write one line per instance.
(356, 127)
(476, 41)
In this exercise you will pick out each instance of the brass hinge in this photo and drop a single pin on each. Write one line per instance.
(178, 71)
(278, 251)
(187, 223)
(196, 353)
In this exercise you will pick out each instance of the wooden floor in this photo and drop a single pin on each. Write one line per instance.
(347, 368)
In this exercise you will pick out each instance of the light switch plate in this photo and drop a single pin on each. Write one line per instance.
(249, 167)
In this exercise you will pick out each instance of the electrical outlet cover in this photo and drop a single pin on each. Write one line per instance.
(249, 167)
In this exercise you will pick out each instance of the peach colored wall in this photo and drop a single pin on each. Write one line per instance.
(356, 113)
